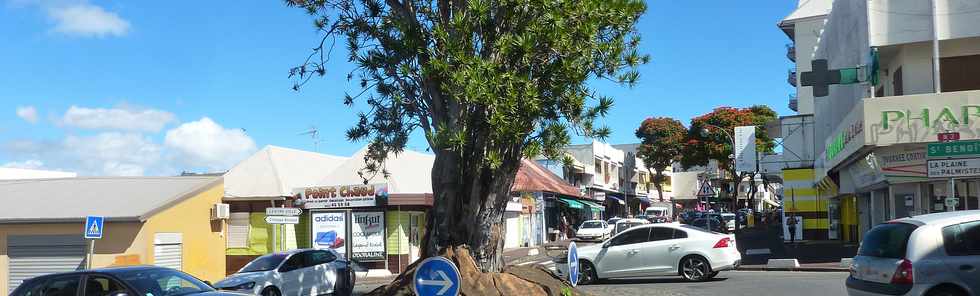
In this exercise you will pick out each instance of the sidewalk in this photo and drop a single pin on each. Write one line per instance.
(758, 245)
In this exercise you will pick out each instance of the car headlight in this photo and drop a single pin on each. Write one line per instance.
(244, 286)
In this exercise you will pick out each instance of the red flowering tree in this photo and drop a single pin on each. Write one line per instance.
(705, 140)
(661, 141)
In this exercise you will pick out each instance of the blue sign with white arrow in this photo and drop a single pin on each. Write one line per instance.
(94, 226)
(436, 276)
(572, 264)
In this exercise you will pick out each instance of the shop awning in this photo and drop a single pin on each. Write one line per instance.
(571, 203)
(645, 201)
(593, 205)
(616, 198)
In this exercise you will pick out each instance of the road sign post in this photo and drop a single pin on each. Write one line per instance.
(436, 276)
(283, 211)
(282, 219)
(94, 229)
(573, 268)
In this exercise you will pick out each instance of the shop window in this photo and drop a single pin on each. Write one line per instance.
(238, 230)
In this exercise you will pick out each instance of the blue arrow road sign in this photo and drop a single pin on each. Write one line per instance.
(94, 226)
(436, 276)
(572, 264)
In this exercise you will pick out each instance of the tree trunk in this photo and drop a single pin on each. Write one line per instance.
(469, 203)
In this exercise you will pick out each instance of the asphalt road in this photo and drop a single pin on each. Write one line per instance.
(734, 283)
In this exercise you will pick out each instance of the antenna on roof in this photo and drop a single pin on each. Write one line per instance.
(315, 135)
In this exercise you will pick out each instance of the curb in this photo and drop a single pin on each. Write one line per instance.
(806, 269)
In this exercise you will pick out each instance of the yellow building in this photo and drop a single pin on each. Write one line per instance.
(176, 222)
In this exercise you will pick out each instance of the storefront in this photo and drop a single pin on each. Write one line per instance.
(543, 206)
(889, 162)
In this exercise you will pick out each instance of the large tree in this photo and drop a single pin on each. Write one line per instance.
(487, 83)
(661, 141)
(716, 144)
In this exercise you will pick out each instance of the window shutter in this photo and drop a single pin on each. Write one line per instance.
(238, 228)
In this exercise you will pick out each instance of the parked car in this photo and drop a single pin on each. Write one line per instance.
(934, 254)
(703, 223)
(727, 219)
(594, 230)
(624, 224)
(658, 219)
(656, 250)
(296, 272)
(118, 281)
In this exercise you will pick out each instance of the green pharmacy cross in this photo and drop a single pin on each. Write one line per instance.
(821, 77)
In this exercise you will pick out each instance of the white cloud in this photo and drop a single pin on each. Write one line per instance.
(149, 120)
(27, 113)
(86, 20)
(103, 154)
(31, 164)
(204, 143)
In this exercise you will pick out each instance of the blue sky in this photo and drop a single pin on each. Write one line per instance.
(158, 87)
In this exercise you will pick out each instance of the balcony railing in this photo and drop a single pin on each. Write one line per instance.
(791, 77)
(794, 103)
(791, 52)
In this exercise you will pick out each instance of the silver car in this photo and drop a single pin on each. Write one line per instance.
(293, 273)
(935, 254)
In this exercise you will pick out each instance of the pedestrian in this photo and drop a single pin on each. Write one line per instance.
(791, 226)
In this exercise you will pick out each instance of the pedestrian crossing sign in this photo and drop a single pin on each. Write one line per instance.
(706, 190)
(94, 227)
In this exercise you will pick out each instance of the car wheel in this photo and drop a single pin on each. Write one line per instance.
(695, 269)
(945, 291)
(271, 291)
(587, 274)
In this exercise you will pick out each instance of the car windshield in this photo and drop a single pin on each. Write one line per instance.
(264, 263)
(592, 224)
(163, 282)
(887, 240)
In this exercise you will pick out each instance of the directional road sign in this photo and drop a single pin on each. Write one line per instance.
(573, 264)
(282, 219)
(436, 276)
(283, 211)
(957, 148)
(94, 226)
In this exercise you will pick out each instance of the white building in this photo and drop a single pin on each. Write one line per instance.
(870, 141)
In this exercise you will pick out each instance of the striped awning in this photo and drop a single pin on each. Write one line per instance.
(571, 203)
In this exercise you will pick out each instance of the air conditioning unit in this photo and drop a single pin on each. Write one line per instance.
(220, 211)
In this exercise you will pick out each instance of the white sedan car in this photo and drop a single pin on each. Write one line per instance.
(293, 273)
(657, 250)
(594, 230)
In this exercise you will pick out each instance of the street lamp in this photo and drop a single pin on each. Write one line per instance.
(704, 133)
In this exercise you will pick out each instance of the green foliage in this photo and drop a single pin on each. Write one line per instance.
(566, 290)
(716, 144)
(480, 78)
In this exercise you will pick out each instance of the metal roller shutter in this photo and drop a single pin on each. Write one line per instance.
(167, 250)
(36, 255)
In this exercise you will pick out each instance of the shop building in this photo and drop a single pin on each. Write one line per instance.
(265, 180)
(919, 66)
(176, 222)
(538, 193)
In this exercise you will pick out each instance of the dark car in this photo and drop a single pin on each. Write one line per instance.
(118, 281)
(702, 223)
(658, 219)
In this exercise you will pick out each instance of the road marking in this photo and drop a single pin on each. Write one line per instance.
(757, 252)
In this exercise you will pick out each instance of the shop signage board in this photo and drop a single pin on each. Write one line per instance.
(343, 196)
(329, 230)
(368, 236)
(283, 211)
(282, 219)
(745, 156)
(958, 148)
(954, 168)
